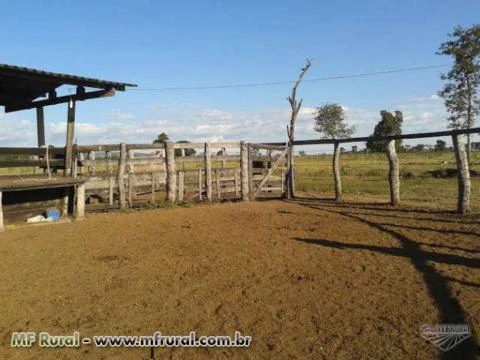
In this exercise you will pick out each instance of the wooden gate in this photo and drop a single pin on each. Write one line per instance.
(267, 168)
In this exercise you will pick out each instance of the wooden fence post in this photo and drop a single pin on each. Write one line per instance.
(171, 172)
(219, 186)
(336, 171)
(121, 173)
(1, 214)
(152, 199)
(394, 173)
(289, 175)
(110, 178)
(208, 171)
(181, 185)
(200, 185)
(251, 185)
(463, 174)
(244, 170)
(80, 201)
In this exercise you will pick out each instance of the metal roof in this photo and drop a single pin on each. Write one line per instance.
(20, 86)
(59, 78)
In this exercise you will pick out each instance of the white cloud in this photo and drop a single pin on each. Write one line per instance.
(422, 113)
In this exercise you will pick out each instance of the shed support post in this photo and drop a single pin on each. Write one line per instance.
(40, 127)
(244, 170)
(394, 173)
(463, 174)
(336, 171)
(171, 172)
(70, 135)
(208, 171)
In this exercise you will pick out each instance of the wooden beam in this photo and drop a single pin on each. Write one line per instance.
(60, 100)
(385, 138)
(40, 127)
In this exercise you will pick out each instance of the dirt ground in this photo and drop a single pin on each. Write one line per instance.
(307, 280)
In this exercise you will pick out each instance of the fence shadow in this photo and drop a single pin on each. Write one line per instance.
(449, 308)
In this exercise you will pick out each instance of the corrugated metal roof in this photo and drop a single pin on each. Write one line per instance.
(59, 78)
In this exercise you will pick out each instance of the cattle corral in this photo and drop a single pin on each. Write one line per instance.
(306, 276)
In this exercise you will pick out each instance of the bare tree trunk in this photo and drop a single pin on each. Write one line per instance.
(295, 106)
(336, 172)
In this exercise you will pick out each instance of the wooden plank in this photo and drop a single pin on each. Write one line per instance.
(271, 170)
(121, 175)
(31, 150)
(208, 171)
(269, 147)
(463, 175)
(29, 163)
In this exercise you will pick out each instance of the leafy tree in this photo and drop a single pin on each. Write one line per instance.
(440, 145)
(463, 80)
(330, 120)
(162, 138)
(389, 125)
(188, 152)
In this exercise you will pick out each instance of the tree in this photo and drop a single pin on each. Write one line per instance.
(295, 106)
(389, 125)
(440, 145)
(330, 120)
(162, 138)
(463, 80)
(302, 153)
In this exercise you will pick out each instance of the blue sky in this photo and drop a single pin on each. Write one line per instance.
(158, 44)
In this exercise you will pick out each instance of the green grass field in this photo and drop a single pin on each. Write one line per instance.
(366, 174)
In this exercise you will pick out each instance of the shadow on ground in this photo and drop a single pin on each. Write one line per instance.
(450, 310)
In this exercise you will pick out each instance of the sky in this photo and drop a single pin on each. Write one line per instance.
(159, 44)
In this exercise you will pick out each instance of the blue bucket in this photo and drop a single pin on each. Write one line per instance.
(53, 214)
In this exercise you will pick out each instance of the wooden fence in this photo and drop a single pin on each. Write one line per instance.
(459, 143)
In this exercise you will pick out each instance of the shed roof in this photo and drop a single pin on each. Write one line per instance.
(20, 86)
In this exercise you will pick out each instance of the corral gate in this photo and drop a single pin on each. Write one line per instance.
(267, 168)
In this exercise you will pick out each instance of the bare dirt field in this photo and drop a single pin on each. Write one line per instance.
(307, 280)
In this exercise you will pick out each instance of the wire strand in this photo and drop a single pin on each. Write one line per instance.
(286, 82)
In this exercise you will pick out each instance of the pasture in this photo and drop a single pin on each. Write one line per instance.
(307, 279)
(427, 179)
